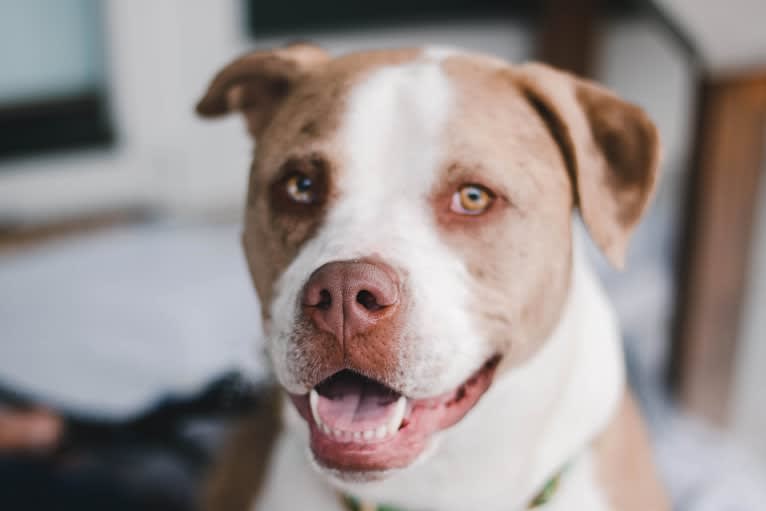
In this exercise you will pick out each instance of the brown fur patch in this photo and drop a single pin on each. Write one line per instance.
(306, 123)
(519, 251)
(542, 141)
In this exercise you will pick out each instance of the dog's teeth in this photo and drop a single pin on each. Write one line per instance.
(381, 432)
(314, 403)
(397, 416)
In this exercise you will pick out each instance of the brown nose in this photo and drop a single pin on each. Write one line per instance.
(347, 298)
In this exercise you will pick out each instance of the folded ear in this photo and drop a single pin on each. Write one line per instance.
(256, 83)
(611, 149)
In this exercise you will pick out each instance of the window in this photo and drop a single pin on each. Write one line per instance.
(53, 83)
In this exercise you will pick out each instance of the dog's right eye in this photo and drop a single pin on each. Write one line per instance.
(300, 188)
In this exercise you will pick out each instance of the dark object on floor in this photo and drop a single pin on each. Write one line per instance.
(155, 461)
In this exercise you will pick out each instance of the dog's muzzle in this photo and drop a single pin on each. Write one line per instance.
(359, 416)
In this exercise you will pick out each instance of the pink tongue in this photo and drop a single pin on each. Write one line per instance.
(349, 402)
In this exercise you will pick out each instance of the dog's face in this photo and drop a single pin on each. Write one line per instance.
(408, 228)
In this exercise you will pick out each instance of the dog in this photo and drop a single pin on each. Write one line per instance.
(437, 334)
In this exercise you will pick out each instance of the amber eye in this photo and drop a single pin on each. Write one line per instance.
(471, 200)
(300, 188)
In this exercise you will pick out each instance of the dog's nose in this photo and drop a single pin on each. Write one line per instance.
(347, 298)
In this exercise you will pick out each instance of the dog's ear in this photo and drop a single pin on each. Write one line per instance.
(611, 149)
(256, 83)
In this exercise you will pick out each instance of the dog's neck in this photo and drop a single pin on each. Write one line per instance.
(532, 422)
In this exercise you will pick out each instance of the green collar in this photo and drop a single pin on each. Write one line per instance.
(545, 495)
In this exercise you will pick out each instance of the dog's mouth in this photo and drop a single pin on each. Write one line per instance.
(361, 425)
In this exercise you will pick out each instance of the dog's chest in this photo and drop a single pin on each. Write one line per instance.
(579, 489)
(292, 485)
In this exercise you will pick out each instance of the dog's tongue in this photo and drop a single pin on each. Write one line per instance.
(350, 402)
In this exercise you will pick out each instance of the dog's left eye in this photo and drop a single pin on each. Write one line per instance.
(300, 188)
(471, 199)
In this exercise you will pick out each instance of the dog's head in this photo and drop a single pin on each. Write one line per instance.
(408, 227)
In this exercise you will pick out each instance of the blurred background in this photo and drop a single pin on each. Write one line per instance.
(129, 332)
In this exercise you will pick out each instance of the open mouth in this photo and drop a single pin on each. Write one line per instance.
(360, 425)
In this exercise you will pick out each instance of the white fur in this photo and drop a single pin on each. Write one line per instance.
(578, 489)
(392, 144)
(532, 422)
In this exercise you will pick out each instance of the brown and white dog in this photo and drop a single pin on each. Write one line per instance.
(409, 229)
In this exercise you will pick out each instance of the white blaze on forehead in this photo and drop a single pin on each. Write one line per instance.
(392, 134)
(392, 149)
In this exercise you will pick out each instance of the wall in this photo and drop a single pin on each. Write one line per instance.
(749, 403)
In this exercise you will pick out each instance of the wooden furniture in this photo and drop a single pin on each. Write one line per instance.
(728, 44)
(727, 162)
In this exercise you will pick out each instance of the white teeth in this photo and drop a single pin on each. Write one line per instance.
(314, 403)
(382, 432)
(398, 416)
